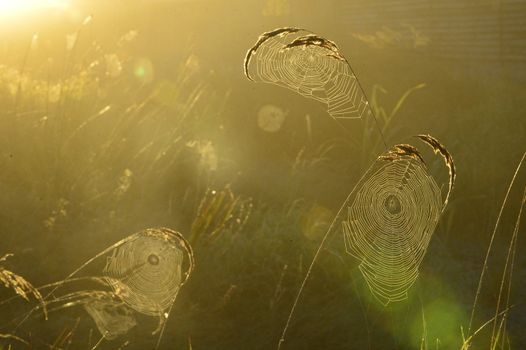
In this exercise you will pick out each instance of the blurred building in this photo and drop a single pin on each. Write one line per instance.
(482, 30)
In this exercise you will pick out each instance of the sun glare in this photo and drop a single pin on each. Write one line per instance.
(8, 7)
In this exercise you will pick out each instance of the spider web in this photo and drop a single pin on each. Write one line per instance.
(390, 223)
(145, 271)
(112, 318)
(309, 65)
(145, 274)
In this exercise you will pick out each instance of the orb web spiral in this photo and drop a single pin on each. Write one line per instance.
(390, 222)
(146, 270)
(310, 65)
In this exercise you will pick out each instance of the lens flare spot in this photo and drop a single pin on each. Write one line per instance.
(440, 323)
(271, 118)
(315, 221)
(143, 70)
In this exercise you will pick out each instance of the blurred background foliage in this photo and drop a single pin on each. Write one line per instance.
(122, 115)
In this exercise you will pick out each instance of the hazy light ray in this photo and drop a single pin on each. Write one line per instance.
(10, 6)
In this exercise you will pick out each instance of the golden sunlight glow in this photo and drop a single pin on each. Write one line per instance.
(8, 7)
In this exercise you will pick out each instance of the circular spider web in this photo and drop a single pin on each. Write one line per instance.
(311, 66)
(145, 271)
(390, 223)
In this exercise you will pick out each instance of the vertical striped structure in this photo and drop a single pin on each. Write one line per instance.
(483, 30)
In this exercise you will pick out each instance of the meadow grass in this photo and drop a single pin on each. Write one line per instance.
(94, 150)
